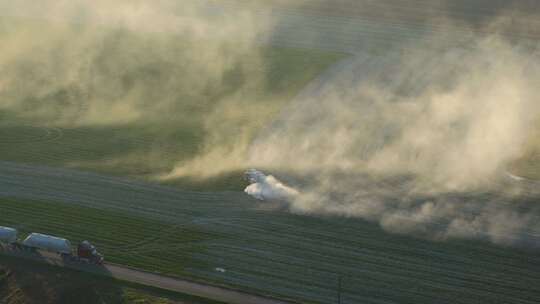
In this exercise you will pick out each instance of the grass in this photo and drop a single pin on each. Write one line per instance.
(47, 129)
(148, 296)
(34, 282)
(123, 239)
(295, 256)
(166, 135)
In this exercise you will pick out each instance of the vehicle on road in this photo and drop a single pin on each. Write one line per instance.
(34, 242)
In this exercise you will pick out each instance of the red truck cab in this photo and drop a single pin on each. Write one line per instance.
(88, 252)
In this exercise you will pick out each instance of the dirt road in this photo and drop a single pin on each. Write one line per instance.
(187, 287)
(210, 292)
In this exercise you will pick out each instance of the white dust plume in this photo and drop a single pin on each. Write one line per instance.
(268, 188)
(417, 140)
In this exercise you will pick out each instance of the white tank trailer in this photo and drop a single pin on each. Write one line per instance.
(48, 243)
(8, 235)
(85, 251)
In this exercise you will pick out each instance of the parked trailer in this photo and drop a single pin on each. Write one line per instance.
(84, 252)
(48, 243)
(8, 235)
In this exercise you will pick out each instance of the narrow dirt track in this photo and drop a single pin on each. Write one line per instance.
(210, 292)
(287, 255)
(187, 287)
(301, 257)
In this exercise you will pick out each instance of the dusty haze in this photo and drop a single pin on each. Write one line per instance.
(100, 62)
(418, 139)
(414, 137)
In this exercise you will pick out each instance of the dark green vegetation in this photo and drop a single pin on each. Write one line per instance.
(34, 283)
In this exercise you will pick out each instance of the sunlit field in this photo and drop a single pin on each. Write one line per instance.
(408, 139)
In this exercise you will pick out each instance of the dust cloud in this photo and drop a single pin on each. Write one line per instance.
(266, 187)
(454, 116)
(417, 140)
(73, 63)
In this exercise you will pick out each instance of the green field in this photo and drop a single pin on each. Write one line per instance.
(48, 119)
(136, 104)
(145, 149)
(123, 239)
(294, 256)
(174, 117)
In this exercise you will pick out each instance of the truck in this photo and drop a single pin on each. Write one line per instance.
(85, 251)
(8, 235)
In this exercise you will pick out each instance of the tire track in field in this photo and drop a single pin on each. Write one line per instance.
(287, 254)
(302, 256)
(28, 134)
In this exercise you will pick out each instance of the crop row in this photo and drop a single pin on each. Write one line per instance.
(124, 239)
